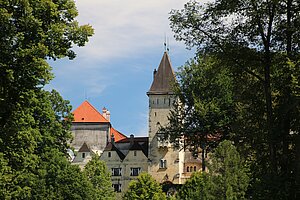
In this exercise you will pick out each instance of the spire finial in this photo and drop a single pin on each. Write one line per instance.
(168, 44)
(165, 43)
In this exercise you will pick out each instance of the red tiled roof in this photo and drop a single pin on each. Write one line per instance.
(117, 135)
(87, 113)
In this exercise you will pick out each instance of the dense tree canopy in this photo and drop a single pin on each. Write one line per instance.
(34, 124)
(144, 188)
(228, 173)
(196, 187)
(227, 177)
(98, 174)
(204, 109)
(258, 43)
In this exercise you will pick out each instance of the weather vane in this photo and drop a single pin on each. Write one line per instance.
(166, 43)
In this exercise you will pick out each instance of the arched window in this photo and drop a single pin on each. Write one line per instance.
(187, 169)
(195, 168)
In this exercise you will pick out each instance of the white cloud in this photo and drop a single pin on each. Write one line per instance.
(123, 28)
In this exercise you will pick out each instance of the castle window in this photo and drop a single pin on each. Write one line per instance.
(135, 171)
(163, 164)
(117, 187)
(164, 100)
(109, 154)
(83, 155)
(154, 114)
(195, 168)
(134, 153)
(157, 101)
(169, 102)
(187, 169)
(116, 171)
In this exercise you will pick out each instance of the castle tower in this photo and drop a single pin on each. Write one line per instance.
(162, 159)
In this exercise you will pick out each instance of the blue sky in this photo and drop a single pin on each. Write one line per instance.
(114, 70)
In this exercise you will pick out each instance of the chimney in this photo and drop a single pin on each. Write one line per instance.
(131, 139)
(106, 114)
(112, 139)
(154, 72)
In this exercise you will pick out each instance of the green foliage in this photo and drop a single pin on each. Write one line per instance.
(97, 173)
(257, 42)
(145, 187)
(58, 179)
(229, 175)
(205, 109)
(196, 187)
(34, 124)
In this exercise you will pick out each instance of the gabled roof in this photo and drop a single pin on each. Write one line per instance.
(124, 146)
(163, 78)
(87, 113)
(84, 148)
(111, 147)
(117, 135)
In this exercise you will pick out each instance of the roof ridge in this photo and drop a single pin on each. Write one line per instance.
(86, 112)
(95, 109)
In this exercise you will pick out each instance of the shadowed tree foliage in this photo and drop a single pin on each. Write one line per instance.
(205, 110)
(228, 173)
(258, 42)
(227, 177)
(32, 125)
(144, 188)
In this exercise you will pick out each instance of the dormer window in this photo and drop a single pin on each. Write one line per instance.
(109, 154)
(83, 155)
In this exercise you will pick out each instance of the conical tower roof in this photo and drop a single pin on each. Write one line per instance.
(163, 78)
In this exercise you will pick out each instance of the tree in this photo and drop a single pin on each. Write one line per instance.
(227, 177)
(56, 178)
(33, 121)
(204, 110)
(258, 41)
(229, 174)
(196, 187)
(97, 173)
(145, 187)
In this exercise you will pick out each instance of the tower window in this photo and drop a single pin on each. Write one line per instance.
(163, 164)
(154, 114)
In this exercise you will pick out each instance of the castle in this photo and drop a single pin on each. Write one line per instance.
(125, 156)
